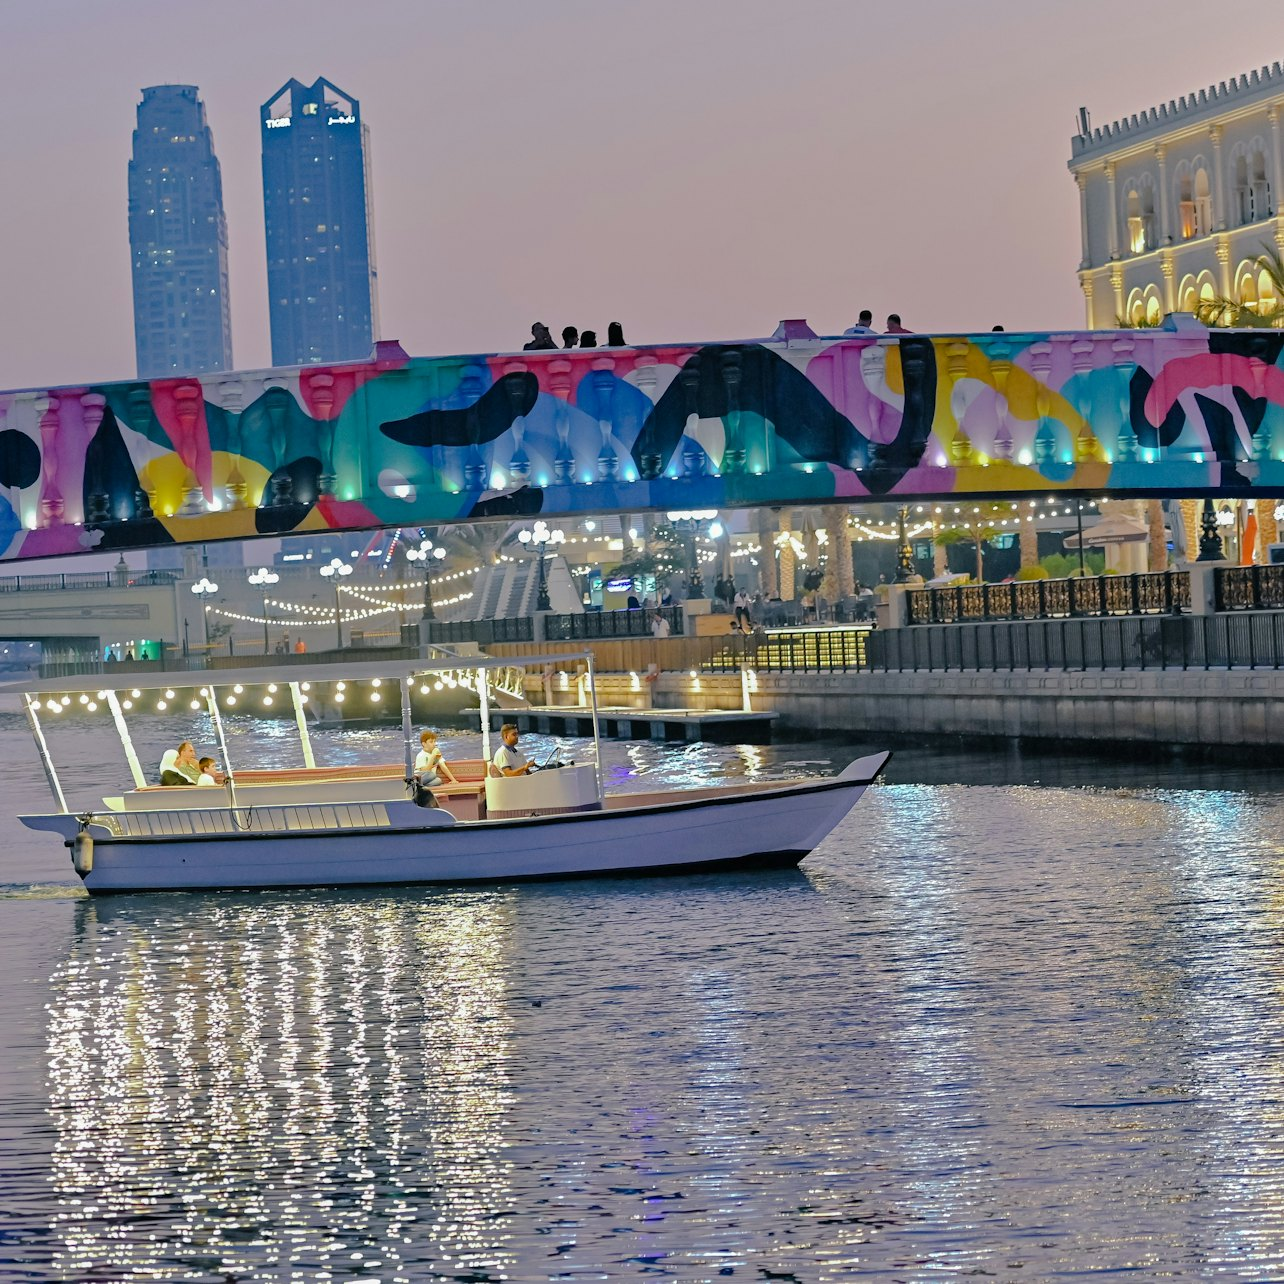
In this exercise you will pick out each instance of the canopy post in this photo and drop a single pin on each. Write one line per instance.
(46, 759)
(597, 731)
(407, 730)
(211, 700)
(483, 696)
(301, 721)
(127, 743)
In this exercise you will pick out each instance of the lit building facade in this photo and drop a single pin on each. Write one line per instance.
(177, 238)
(322, 297)
(1177, 203)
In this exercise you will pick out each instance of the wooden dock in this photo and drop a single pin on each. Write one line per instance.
(720, 726)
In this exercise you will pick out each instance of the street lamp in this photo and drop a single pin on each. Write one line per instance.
(538, 539)
(688, 526)
(904, 554)
(426, 552)
(261, 579)
(203, 588)
(335, 570)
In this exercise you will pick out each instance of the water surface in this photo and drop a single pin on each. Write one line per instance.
(992, 1028)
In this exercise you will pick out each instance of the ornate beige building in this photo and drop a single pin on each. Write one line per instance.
(1177, 202)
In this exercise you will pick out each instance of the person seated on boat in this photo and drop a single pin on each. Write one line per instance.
(430, 767)
(509, 760)
(179, 766)
(209, 772)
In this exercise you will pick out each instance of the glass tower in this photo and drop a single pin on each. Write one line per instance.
(177, 238)
(322, 301)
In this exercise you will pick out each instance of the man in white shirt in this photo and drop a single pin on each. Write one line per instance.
(509, 759)
(864, 324)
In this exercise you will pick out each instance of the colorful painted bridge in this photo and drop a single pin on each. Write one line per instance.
(795, 419)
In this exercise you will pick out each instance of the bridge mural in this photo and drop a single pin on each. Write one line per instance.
(798, 419)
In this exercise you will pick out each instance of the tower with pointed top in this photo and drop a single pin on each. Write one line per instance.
(322, 298)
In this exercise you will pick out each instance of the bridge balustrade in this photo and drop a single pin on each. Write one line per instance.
(796, 419)
(1250, 588)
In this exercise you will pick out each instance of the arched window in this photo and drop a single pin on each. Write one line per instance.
(1136, 310)
(1250, 188)
(1187, 295)
(1262, 200)
(1186, 201)
(1246, 286)
(1136, 231)
(1203, 203)
(1268, 299)
(1207, 290)
(1154, 309)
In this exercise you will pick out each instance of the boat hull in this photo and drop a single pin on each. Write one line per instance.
(767, 829)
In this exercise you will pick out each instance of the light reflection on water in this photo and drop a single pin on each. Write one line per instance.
(994, 1029)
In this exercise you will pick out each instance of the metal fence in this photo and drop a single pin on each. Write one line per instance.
(483, 632)
(1250, 641)
(1250, 588)
(83, 580)
(795, 651)
(591, 625)
(1153, 593)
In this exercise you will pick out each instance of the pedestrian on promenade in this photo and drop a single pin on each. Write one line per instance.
(588, 339)
(864, 323)
(570, 336)
(615, 335)
(541, 340)
(894, 324)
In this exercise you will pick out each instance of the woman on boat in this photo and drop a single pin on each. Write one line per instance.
(430, 767)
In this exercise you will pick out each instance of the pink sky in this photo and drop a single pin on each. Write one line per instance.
(697, 169)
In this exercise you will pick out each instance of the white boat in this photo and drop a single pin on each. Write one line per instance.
(324, 827)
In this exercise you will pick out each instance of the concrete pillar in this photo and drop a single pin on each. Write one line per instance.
(894, 612)
(1202, 586)
(1081, 181)
(1165, 222)
(1112, 224)
(1085, 280)
(1219, 182)
(1117, 289)
(1170, 290)
(1223, 266)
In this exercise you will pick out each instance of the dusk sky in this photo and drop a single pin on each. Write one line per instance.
(696, 169)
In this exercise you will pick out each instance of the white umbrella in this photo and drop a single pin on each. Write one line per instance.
(1118, 528)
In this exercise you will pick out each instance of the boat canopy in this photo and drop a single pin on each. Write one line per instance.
(389, 670)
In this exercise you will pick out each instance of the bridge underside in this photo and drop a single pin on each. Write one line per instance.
(400, 441)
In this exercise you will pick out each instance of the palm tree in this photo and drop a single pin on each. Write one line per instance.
(1222, 311)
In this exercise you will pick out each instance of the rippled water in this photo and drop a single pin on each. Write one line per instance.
(991, 1029)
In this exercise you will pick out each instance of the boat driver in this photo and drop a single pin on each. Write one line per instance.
(509, 759)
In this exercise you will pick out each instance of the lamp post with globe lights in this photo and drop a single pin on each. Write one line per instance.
(425, 553)
(335, 570)
(262, 579)
(204, 588)
(539, 538)
(688, 527)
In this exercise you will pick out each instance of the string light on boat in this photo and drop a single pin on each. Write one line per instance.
(136, 693)
(169, 695)
(161, 706)
(338, 697)
(126, 704)
(230, 701)
(267, 701)
(196, 704)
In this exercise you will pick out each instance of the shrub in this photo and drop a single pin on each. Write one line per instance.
(1033, 573)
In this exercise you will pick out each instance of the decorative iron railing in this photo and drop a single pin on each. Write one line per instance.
(1152, 593)
(83, 580)
(1250, 588)
(592, 625)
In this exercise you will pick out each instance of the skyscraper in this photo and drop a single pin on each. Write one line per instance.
(320, 234)
(177, 238)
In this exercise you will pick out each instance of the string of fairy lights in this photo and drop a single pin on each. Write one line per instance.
(264, 696)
